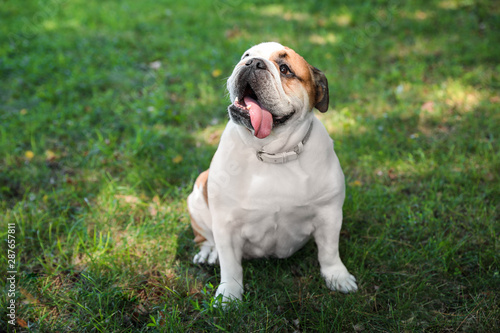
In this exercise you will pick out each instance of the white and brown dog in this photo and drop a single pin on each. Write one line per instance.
(275, 180)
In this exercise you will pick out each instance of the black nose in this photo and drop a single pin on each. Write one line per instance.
(256, 63)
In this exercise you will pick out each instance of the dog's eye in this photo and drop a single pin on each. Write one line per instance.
(284, 69)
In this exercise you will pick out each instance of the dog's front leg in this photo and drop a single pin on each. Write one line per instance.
(229, 249)
(326, 236)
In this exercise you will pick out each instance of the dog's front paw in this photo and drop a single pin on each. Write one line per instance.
(228, 292)
(207, 255)
(338, 278)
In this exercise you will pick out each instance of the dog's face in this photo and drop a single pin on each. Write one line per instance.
(271, 86)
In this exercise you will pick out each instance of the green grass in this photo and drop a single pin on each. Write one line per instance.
(99, 149)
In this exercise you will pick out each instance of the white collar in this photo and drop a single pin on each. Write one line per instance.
(285, 156)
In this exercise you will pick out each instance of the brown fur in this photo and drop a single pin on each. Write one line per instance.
(198, 237)
(310, 77)
(201, 181)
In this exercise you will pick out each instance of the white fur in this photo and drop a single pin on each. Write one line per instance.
(258, 209)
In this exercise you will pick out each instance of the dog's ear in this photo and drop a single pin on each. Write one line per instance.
(322, 95)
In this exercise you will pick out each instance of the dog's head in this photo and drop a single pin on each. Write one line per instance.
(272, 86)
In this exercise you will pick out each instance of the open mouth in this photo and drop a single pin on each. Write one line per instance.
(251, 109)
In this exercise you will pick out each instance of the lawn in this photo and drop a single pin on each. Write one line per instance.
(110, 109)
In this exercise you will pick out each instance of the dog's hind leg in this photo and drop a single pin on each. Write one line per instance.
(201, 221)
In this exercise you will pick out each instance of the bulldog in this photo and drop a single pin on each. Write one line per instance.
(275, 180)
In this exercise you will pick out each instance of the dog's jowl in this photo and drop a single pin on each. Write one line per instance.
(275, 180)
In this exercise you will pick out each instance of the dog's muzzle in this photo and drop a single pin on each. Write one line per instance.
(251, 107)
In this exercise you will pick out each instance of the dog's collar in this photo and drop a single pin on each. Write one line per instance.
(285, 156)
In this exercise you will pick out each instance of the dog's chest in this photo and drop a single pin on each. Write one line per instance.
(278, 233)
(274, 216)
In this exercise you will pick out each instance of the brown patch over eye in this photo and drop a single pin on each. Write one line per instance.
(296, 73)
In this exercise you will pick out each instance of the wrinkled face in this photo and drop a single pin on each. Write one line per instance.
(271, 86)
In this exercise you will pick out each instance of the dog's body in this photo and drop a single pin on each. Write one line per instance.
(275, 180)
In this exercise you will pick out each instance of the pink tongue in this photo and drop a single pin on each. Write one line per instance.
(262, 120)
